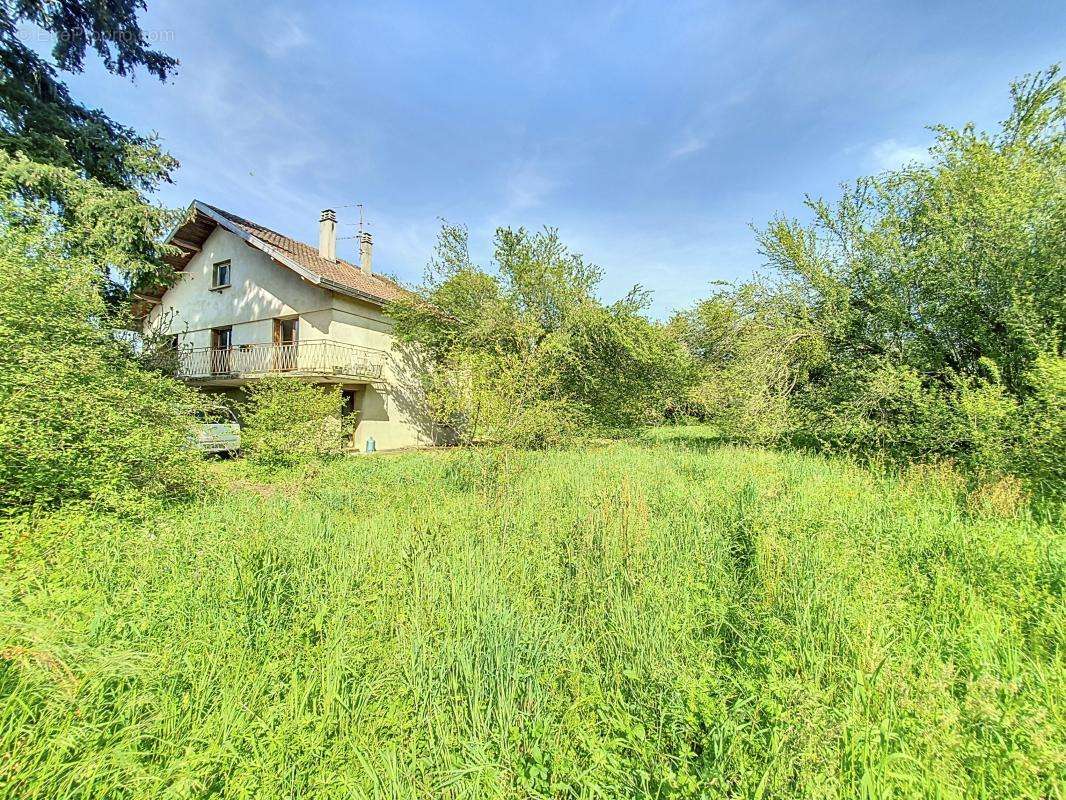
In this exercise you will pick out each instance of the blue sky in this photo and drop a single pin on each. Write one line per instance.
(651, 135)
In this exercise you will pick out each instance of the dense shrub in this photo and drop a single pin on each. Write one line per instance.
(79, 417)
(1040, 449)
(287, 421)
(499, 398)
(528, 355)
(754, 346)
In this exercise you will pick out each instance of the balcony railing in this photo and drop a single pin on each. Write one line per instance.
(317, 358)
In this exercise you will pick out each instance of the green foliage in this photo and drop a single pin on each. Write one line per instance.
(1041, 450)
(116, 229)
(287, 422)
(500, 398)
(38, 117)
(911, 317)
(56, 151)
(79, 417)
(529, 355)
(754, 345)
(647, 619)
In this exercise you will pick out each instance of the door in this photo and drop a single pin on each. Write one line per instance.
(221, 346)
(351, 401)
(286, 334)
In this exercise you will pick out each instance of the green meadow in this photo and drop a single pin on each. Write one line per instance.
(657, 617)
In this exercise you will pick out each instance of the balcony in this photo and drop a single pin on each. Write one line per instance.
(329, 361)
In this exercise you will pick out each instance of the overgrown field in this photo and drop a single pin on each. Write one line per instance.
(658, 618)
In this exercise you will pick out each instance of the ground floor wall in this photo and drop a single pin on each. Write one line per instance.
(394, 416)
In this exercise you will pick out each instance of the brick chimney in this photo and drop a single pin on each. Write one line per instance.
(366, 249)
(327, 235)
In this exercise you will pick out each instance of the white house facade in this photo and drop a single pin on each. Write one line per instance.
(249, 302)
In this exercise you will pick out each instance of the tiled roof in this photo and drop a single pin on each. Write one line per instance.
(338, 272)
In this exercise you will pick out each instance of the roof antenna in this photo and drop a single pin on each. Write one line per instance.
(365, 245)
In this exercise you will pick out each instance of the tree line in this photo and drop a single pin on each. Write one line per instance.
(919, 316)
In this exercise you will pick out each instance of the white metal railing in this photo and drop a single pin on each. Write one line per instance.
(317, 357)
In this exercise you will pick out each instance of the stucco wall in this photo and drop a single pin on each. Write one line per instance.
(392, 411)
(260, 290)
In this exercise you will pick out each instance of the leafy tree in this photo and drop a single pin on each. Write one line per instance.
(755, 344)
(56, 149)
(936, 295)
(79, 418)
(38, 117)
(940, 266)
(528, 354)
(118, 230)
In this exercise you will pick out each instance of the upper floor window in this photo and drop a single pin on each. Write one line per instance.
(220, 275)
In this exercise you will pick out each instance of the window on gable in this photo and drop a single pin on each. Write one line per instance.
(220, 275)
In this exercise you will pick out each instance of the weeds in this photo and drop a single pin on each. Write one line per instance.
(656, 618)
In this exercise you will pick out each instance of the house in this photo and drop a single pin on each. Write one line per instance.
(249, 302)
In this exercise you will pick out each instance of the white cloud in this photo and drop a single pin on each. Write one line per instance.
(243, 144)
(527, 186)
(691, 143)
(279, 31)
(891, 154)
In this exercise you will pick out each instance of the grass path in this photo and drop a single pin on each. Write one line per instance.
(645, 619)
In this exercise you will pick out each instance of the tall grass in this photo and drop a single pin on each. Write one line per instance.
(649, 619)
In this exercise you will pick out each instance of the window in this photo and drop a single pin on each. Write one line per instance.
(220, 275)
